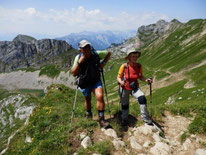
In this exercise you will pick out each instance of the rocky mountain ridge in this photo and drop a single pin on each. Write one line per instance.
(145, 35)
(149, 33)
(25, 51)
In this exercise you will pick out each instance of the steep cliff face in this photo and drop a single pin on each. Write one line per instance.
(22, 53)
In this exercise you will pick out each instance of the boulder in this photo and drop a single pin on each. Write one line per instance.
(161, 149)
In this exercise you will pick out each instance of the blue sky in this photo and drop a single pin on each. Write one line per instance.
(56, 18)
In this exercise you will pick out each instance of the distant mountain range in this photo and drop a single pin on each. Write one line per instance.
(99, 40)
(25, 51)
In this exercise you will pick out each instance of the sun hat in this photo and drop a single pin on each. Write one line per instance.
(132, 50)
(83, 43)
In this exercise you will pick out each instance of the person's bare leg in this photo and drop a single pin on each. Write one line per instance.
(98, 92)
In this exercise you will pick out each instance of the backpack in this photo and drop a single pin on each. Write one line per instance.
(89, 73)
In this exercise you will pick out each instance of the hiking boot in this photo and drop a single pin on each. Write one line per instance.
(103, 123)
(149, 122)
(89, 116)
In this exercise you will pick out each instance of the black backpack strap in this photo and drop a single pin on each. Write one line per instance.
(125, 67)
(96, 54)
(139, 67)
(128, 72)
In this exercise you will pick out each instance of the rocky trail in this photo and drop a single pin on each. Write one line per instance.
(152, 140)
(148, 140)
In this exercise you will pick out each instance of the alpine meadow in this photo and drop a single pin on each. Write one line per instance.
(37, 121)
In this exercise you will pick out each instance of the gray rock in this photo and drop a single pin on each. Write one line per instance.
(134, 144)
(161, 149)
(118, 144)
(146, 130)
(86, 142)
(146, 144)
(200, 152)
(110, 132)
(82, 135)
(28, 139)
(156, 137)
(186, 144)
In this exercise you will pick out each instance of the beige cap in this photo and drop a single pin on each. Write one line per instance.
(132, 50)
(83, 43)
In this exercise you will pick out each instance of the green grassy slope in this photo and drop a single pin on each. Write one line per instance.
(49, 126)
(182, 48)
(176, 51)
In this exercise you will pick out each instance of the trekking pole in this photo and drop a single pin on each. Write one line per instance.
(120, 99)
(121, 89)
(150, 84)
(70, 128)
(105, 91)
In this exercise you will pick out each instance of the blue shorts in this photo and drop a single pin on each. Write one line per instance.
(87, 91)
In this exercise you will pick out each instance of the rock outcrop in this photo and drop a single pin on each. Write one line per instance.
(149, 33)
(26, 52)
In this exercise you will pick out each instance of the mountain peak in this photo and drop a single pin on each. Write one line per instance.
(175, 21)
(24, 38)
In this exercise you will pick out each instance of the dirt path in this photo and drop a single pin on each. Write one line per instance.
(173, 78)
(174, 127)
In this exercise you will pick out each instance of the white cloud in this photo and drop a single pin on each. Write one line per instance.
(63, 22)
(30, 11)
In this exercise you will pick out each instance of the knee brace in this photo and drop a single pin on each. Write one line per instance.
(142, 100)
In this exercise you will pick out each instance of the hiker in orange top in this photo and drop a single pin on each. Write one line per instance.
(128, 76)
(87, 68)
